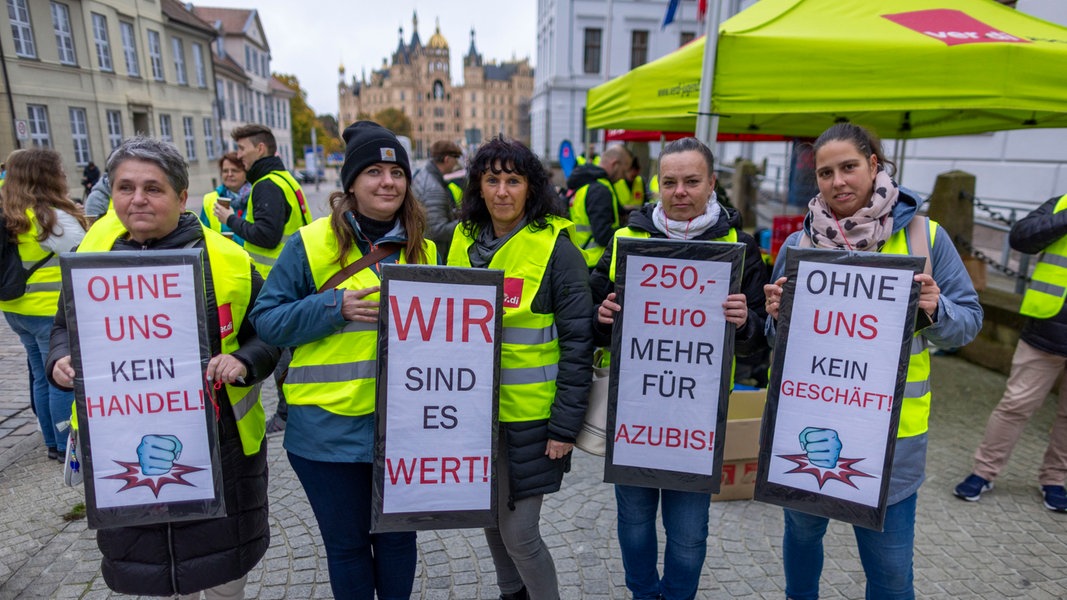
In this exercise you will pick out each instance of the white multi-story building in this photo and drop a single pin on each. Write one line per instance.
(583, 43)
(246, 91)
(79, 76)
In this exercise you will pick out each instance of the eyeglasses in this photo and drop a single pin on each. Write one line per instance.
(231, 171)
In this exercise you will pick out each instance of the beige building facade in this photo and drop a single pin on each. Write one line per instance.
(417, 80)
(79, 76)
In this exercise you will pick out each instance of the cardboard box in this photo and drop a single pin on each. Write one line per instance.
(744, 419)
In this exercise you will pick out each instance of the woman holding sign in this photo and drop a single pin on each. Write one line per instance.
(506, 222)
(688, 210)
(860, 207)
(43, 222)
(322, 300)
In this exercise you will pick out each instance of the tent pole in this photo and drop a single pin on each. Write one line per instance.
(708, 124)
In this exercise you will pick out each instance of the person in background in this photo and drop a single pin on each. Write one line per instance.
(594, 207)
(98, 202)
(430, 187)
(43, 221)
(1040, 358)
(630, 190)
(860, 208)
(234, 189)
(507, 224)
(689, 210)
(333, 331)
(90, 175)
(183, 558)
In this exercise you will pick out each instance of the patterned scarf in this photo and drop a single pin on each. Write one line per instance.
(866, 230)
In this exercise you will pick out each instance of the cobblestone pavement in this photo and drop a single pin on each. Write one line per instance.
(1006, 546)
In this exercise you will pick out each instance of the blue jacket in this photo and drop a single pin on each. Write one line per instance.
(957, 322)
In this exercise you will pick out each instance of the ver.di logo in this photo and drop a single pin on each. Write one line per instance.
(822, 458)
(155, 466)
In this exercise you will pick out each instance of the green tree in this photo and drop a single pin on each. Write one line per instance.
(394, 120)
(302, 118)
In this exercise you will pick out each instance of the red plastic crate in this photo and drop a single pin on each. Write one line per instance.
(781, 227)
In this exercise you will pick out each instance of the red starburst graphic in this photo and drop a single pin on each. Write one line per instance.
(843, 472)
(133, 477)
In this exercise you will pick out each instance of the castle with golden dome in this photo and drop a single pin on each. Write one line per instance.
(494, 97)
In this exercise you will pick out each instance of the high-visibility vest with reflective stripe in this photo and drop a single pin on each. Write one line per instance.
(915, 413)
(231, 277)
(299, 215)
(583, 230)
(1048, 285)
(529, 352)
(42, 286)
(213, 222)
(629, 232)
(338, 372)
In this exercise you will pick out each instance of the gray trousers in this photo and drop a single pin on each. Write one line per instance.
(519, 554)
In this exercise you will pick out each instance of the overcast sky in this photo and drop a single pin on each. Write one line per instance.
(311, 38)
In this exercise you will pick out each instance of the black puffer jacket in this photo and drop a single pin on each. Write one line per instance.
(748, 339)
(1032, 234)
(185, 557)
(564, 292)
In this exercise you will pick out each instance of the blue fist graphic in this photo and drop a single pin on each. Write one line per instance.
(157, 453)
(822, 445)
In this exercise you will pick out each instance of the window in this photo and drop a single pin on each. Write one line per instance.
(220, 94)
(241, 103)
(230, 100)
(638, 48)
(190, 138)
(129, 49)
(248, 58)
(269, 109)
(179, 59)
(265, 62)
(38, 118)
(79, 134)
(103, 45)
(21, 29)
(591, 58)
(165, 132)
(209, 138)
(64, 35)
(114, 128)
(155, 55)
(259, 107)
(686, 37)
(198, 65)
(284, 110)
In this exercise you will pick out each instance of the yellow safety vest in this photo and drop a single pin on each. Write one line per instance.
(653, 186)
(630, 196)
(42, 287)
(583, 233)
(213, 222)
(231, 277)
(915, 414)
(1044, 297)
(338, 372)
(299, 215)
(457, 192)
(529, 352)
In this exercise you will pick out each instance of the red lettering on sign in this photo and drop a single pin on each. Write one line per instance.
(430, 470)
(475, 312)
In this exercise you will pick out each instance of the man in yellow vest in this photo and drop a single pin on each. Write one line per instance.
(431, 188)
(594, 206)
(151, 182)
(1040, 358)
(276, 204)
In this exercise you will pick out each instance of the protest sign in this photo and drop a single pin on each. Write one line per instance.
(672, 355)
(438, 385)
(147, 428)
(843, 344)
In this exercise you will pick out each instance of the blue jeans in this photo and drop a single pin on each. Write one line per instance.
(360, 563)
(51, 403)
(886, 555)
(685, 519)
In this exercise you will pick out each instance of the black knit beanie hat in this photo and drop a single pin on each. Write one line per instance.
(366, 143)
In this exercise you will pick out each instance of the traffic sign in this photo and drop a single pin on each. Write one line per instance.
(22, 129)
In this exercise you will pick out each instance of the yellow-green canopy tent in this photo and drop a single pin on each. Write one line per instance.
(906, 68)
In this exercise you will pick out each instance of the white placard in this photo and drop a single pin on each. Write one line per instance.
(138, 336)
(439, 419)
(839, 378)
(670, 363)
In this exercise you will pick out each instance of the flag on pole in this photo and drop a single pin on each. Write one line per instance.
(672, 7)
(702, 10)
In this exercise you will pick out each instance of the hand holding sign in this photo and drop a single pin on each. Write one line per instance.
(822, 445)
(773, 293)
(226, 368)
(605, 313)
(157, 453)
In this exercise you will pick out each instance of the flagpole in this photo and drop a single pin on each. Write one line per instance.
(708, 124)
